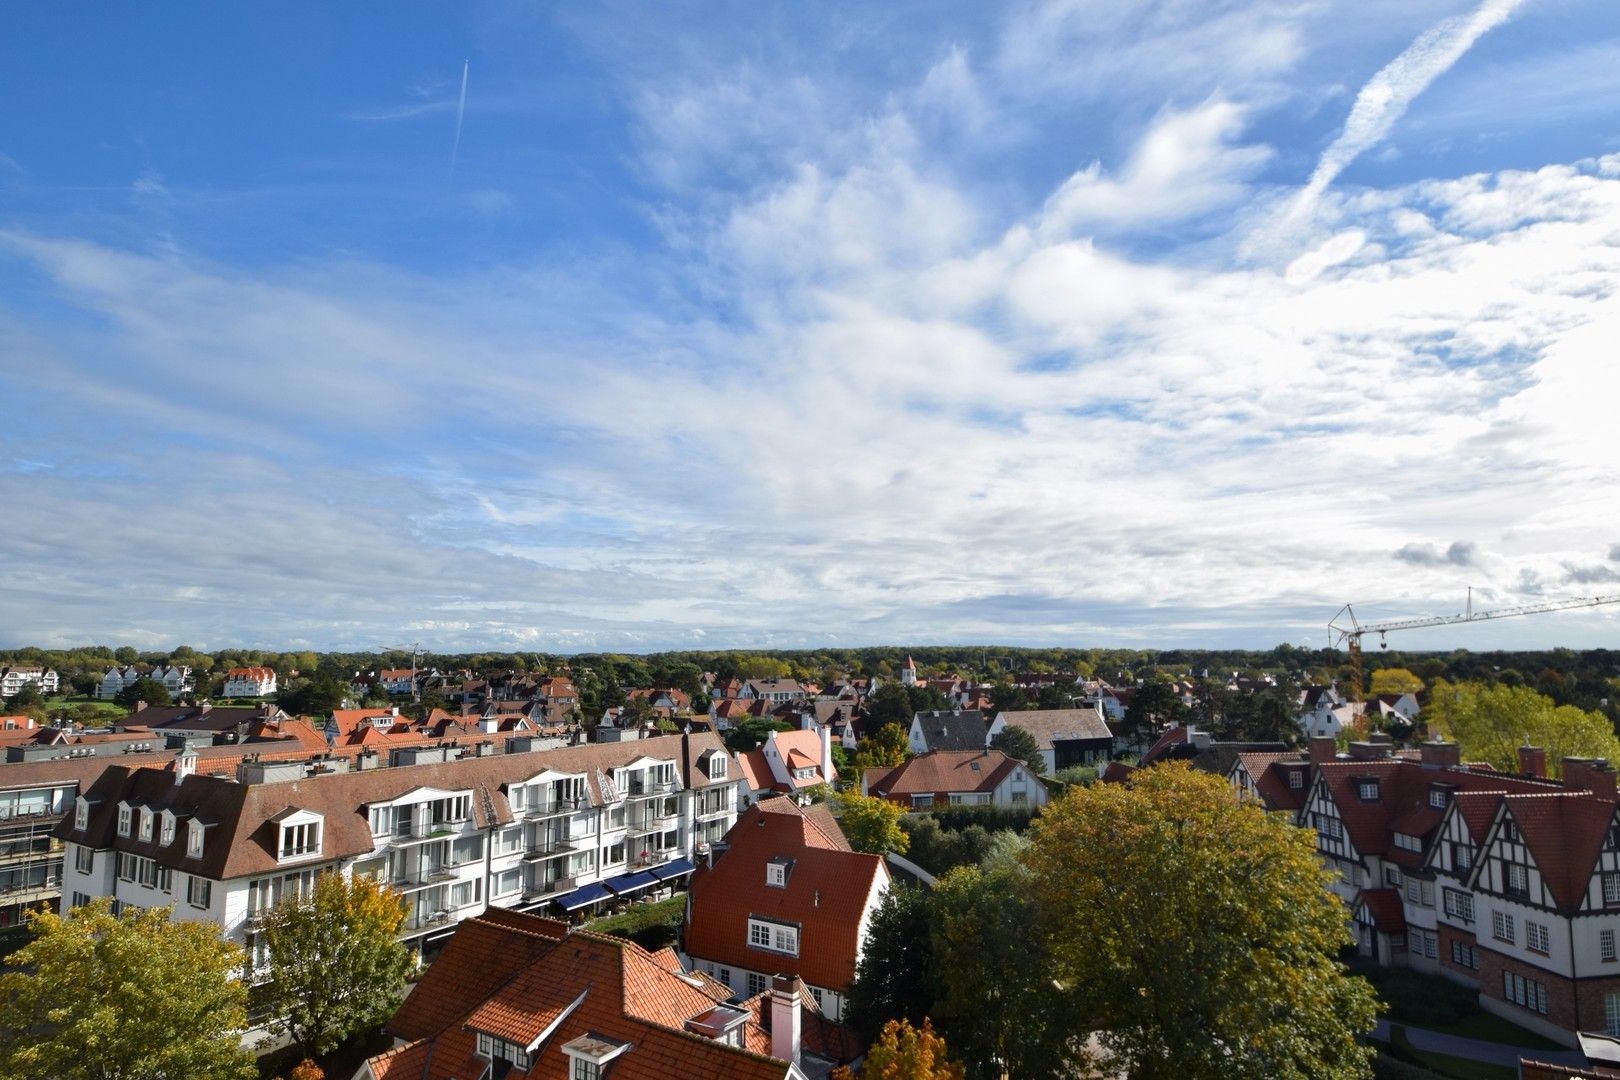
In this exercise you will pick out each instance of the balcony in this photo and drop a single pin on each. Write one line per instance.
(424, 921)
(554, 807)
(545, 887)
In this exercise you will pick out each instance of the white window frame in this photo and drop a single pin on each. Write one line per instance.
(145, 830)
(84, 858)
(126, 816)
(194, 839)
(1537, 937)
(81, 815)
(1606, 950)
(773, 936)
(1502, 928)
(206, 890)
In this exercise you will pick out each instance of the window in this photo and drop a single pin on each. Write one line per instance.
(1463, 856)
(84, 859)
(1437, 798)
(382, 820)
(1367, 790)
(1392, 876)
(1536, 938)
(756, 983)
(1462, 954)
(80, 899)
(613, 854)
(81, 815)
(507, 882)
(124, 815)
(776, 937)
(299, 840)
(1459, 905)
(1611, 1014)
(1518, 879)
(1328, 826)
(1427, 899)
(194, 840)
(1611, 888)
(1502, 927)
(146, 824)
(166, 835)
(501, 1050)
(717, 767)
(922, 800)
(1606, 945)
(585, 1070)
(724, 975)
(1408, 842)
(1525, 993)
(776, 872)
(1296, 779)
(199, 891)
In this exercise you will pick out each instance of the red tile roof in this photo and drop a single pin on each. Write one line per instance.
(517, 974)
(1384, 905)
(1564, 832)
(941, 772)
(827, 890)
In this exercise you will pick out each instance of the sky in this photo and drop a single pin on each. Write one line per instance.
(567, 327)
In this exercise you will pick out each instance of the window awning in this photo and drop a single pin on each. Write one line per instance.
(583, 897)
(630, 883)
(672, 869)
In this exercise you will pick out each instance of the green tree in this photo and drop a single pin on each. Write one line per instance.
(335, 967)
(890, 705)
(884, 748)
(97, 996)
(27, 700)
(1490, 723)
(316, 697)
(1153, 707)
(995, 1000)
(906, 1053)
(143, 689)
(1017, 742)
(871, 824)
(1200, 930)
(898, 951)
(748, 733)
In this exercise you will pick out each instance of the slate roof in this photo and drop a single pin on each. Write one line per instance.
(955, 730)
(826, 892)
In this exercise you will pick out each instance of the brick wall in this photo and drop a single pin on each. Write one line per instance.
(1560, 991)
(1448, 934)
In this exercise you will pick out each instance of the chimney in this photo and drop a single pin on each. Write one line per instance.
(185, 763)
(1369, 751)
(1324, 748)
(785, 1018)
(1593, 774)
(1443, 755)
(1532, 761)
(826, 753)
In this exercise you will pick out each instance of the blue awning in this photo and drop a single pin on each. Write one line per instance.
(583, 897)
(630, 883)
(672, 869)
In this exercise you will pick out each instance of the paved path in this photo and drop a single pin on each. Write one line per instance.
(1477, 1049)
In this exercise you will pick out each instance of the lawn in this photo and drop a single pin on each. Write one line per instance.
(1488, 1028)
(1434, 1003)
(1463, 1069)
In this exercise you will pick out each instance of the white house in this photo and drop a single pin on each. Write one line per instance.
(249, 682)
(13, 679)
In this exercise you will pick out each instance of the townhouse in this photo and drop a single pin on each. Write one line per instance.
(1508, 883)
(528, 998)
(784, 895)
(249, 682)
(956, 729)
(970, 777)
(13, 679)
(564, 829)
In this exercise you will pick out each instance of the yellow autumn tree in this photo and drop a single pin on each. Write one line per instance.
(1395, 680)
(903, 1052)
(1490, 723)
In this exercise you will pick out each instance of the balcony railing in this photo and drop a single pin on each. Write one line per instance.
(553, 807)
(548, 887)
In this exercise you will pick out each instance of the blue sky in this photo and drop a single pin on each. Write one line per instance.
(1059, 321)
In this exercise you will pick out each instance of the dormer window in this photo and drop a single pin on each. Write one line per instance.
(298, 834)
(194, 839)
(1296, 779)
(500, 1050)
(146, 824)
(166, 834)
(588, 1055)
(1367, 790)
(81, 814)
(717, 767)
(1438, 797)
(776, 872)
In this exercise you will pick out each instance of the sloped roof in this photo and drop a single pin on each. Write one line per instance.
(826, 892)
(1056, 725)
(962, 729)
(511, 971)
(1564, 832)
(942, 771)
(1384, 905)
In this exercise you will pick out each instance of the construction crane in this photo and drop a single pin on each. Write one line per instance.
(1349, 631)
(415, 649)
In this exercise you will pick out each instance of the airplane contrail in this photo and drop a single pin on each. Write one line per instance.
(1385, 98)
(461, 109)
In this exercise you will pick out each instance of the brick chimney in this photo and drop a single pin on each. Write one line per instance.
(1324, 748)
(1444, 755)
(1593, 774)
(785, 1019)
(1532, 761)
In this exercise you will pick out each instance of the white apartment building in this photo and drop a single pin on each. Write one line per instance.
(563, 829)
(13, 679)
(249, 682)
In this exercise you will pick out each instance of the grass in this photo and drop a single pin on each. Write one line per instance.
(652, 926)
(1487, 1028)
(1463, 1069)
(1435, 1003)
